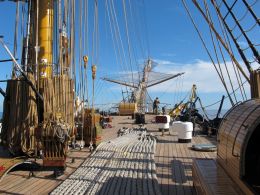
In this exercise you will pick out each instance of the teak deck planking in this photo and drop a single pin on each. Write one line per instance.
(175, 176)
(210, 178)
(173, 163)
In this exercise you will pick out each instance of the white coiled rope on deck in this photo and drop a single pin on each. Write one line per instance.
(124, 165)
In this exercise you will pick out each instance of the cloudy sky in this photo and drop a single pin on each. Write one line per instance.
(160, 30)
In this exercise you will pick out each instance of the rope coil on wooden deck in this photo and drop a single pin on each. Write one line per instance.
(124, 165)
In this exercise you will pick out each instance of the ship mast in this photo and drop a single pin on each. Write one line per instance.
(45, 35)
(42, 101)
(139, 93)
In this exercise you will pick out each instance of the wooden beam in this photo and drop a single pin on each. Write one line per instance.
(169, 78)
(119, 82)
(8, 60)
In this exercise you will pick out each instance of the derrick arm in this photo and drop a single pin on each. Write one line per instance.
(8, 60)
(119, 82)
(166, 79)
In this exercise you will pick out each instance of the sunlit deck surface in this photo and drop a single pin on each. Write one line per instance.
(173, 161)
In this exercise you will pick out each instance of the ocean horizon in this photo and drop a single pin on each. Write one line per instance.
(210, 113)
(213, 113)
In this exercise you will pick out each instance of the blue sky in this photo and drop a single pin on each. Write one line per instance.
(172, 42)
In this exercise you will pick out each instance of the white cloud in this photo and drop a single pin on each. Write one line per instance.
(243, 43)
(201, 73)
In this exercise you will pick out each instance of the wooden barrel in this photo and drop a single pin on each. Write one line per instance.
(235, 133)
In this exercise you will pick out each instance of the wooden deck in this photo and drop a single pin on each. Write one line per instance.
(210, 178)
(173, 161)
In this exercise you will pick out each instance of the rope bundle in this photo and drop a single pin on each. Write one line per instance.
(20, 117)
(124, 165)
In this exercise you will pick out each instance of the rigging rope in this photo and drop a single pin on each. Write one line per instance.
(87, 52)
(221, 40)
(237, 72)
(115, 46)
(128, 39)
(215, 50)
(225, 96)
(164, 92)
(113, 34)
(241, 53)
(136, 31)
(16, 34)
(146, 31)
(72, 38)
(94, 73)
(204, 44)
(243, 16)
(118, 35)
(251, 11)
(22, 22)
(254, 51)
(80, 90)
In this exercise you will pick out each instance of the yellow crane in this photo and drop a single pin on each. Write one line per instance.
(177, 110)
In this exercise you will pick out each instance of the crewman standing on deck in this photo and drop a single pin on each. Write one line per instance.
(156, 103)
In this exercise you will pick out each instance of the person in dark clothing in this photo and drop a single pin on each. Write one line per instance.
(156, 103)
(164, 110)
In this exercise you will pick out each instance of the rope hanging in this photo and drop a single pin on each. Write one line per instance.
(16, 35)
(94, 69)
(216, 54)
(206, 48)
(236, 70)
(222, 42)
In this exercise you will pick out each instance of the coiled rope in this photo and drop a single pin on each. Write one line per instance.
(124, 165)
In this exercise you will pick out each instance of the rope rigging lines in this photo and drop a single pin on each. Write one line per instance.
(216, 54)
(236, 70)
(242, 31)
(125, 34)
(127, 40)
(218, 16)
(208, 52)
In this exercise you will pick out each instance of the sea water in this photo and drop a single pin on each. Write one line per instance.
(213, 113)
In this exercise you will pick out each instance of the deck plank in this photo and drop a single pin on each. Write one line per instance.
(173, 163)
(178, 163)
